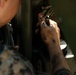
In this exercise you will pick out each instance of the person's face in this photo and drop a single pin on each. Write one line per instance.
(8, 9)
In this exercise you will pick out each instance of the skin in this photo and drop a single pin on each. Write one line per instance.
(8, 9)
(51, 37)
(50, 34)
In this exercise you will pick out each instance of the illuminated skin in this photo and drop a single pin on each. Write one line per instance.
(8, 9)
(51, 37)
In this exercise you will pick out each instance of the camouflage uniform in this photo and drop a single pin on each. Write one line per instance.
(11, 63)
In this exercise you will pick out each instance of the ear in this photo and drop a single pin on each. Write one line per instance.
(2, 3)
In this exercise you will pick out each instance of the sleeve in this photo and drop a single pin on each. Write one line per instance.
(63, 72)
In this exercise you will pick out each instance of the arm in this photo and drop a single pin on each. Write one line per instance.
(51, 37)
(57, 59)
(8, 9)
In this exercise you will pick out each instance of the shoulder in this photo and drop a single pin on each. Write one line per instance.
(11, 62)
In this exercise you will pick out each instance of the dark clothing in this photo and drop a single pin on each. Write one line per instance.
(63, 72)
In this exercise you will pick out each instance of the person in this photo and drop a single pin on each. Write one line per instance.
(50, 34)
(8, 9)
(12, 63)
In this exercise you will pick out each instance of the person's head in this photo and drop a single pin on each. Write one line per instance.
(8, 9)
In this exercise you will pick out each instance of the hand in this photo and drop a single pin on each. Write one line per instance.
(49, 30)
(51, 37)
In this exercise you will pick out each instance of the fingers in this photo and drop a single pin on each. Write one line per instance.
(40, 26)
(46, 23)
(52, 23)
(49, 24)
(40, 17)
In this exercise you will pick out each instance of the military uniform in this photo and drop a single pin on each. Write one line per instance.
(12, 63)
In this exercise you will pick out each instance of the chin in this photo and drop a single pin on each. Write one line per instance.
(8, 11)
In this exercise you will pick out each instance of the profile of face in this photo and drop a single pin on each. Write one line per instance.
(8, 9)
